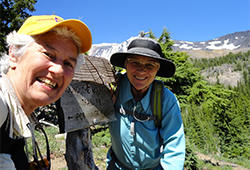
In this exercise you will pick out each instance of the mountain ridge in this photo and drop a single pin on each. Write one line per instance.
(233, 42)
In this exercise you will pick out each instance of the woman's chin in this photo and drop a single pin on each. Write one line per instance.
(43, 101)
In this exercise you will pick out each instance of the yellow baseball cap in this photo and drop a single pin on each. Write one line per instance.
(40, 24)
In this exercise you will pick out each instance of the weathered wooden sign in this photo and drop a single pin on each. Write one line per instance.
(87, 100)
(84, 104)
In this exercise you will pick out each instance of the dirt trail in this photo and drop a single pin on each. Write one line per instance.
(211, 160)
(59, 163)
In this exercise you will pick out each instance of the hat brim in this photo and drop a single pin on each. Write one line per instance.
(79, 28)
(167, 67)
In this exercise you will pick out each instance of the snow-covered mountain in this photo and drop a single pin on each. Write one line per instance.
(229, 42)
(107, 49)
(238, 41)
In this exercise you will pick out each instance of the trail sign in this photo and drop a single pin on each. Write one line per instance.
(86, 103)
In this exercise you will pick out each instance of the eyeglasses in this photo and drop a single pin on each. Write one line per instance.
(148, 65)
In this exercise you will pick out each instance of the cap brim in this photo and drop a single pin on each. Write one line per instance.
(167, 68)
(79, 28)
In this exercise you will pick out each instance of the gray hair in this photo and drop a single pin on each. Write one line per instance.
(21, 42)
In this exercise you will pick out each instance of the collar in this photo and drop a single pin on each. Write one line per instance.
(19, 119)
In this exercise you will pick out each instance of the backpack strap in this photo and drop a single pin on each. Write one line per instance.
(156, 95)
(44, 163)
(156, 101)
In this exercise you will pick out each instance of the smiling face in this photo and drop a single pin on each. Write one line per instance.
(140, 77)
(41, 75)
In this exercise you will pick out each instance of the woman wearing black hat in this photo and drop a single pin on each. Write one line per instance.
(137, 141)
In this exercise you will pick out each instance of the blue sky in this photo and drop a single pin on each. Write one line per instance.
(115, 21)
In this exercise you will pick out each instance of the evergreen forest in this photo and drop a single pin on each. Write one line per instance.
(216, 117)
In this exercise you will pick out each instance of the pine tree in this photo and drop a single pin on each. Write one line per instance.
(13, 13)
(186, 74)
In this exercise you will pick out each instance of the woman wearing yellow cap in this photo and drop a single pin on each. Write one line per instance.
(43, 56)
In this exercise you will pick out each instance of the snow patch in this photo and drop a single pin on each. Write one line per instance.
(185, 46)
(222, 46)
(214, 42)
(189, 42)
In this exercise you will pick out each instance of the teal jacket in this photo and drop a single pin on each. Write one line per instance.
(143, 149)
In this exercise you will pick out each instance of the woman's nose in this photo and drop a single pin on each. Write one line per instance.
(56, 69)
(141, 66)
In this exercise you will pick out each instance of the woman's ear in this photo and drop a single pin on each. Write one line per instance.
(12, 58)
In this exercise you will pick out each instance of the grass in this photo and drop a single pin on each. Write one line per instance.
(100, 156)
(57, 148)
(101, 144)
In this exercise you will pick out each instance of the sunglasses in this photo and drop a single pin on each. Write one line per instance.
(148, 65)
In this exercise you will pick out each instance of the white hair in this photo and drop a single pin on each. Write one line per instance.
(21, 42)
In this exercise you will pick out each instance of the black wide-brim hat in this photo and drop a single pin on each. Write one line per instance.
(146, 47)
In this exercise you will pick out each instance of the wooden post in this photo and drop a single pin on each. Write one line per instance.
(79, 153)
(86, 102)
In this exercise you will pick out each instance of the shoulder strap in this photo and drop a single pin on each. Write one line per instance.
(156, 96)
(156, 101)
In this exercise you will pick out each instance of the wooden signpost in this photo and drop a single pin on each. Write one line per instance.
(85, 104)
(87, 101)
